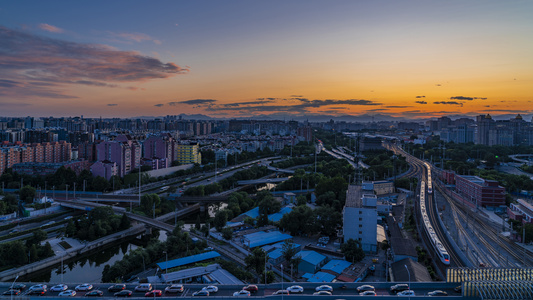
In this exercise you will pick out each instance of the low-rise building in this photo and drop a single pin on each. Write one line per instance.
(360, 219)
(521, 211)
(479, 191)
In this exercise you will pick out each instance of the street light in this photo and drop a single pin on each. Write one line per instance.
(13, 284)
(166, 262)
(409, 274)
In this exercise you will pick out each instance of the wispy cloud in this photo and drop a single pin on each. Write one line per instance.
(448, 103)
(112, 104)
(466, 98)
(159, 105)
(50, 28)
(420, 96)
(43, 66)
(421, 102)
(133, 37)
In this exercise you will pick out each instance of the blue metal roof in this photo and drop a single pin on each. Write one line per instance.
(275, 254)
(277, 216)
(319, 277)
(187, 260)
(336, 265)
(311, 257)
(262, 238)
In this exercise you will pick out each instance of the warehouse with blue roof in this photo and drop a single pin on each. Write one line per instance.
(312, 261)
(262, 238)
(319, 277)
(187, 260)
(336, 266)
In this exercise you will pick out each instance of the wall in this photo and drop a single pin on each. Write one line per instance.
(168, 171)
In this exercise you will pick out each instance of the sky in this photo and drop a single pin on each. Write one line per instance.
(225, 59)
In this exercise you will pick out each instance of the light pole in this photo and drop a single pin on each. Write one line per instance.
(66, 192)
(166, 262)
(62, 268)
(12, 285)
(409, 274)
(282, 281)
(144, 266)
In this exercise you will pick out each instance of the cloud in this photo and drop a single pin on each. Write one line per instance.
(159, 105)
(296, 96)
(448, 103)
(6, 83)
(438, 84)
(466, 98)
(133, 37)
(397, 106)
(421, 102)
(112, 104)
(45, 66)
(420, 97)
(195, 102)
(50, 28)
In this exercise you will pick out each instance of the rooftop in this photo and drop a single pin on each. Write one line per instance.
(353, 196)
(262, 238)
(311, 257)
(336, 266)
(187, 260)
(319, 277)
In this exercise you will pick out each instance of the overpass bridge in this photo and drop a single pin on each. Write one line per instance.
(158, 222)
(262, 180)
(281, 170)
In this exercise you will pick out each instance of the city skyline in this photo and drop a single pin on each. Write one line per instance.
(413, 59)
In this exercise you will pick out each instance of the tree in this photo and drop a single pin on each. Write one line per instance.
(353, 251)
(288, 250)
(328, 220)
(124, 222)
(100, 184)
(256, 260)
(271, 276)
(38, 236)
(27, 194)
(295, 262)
(149, 202)
(221, 218)
(227, 233)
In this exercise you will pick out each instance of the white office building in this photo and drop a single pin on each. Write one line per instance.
(360, 218)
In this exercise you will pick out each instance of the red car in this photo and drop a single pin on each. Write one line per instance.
(154, 293)
(251, 288)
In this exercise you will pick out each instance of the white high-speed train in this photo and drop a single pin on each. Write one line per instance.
(435, 242)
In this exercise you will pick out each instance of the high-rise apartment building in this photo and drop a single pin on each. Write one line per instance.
(360, 218)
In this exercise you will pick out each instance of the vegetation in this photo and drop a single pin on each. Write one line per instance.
(18, 253)
(99, 222)
(178, 244)
(353, 251)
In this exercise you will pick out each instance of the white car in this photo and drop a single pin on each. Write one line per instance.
(295, 289)
(37, 286)
(406, 293)
(324, 288)
(367, 293)
(67, 293)
(84, 287)
(59, 288)
(322, 293)
(242, 293)
(210, 289)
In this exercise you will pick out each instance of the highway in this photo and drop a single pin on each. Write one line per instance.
(382, 289)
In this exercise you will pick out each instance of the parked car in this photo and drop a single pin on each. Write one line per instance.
(368, 293)
(295, 289)
(199, 293)
(324, 287)
(11, 292)
(406, 293)
(67, 293)
(364, 288)
(280, 292)
(143, 287)
(251, 288)
(116, 288)
(37, 291)
(437, 293)
(123, 293)
(399, 287)
(94, 293)
(154, 293)
(322, 293)
(175, 288)
(84, 287)
(211, 289)
(59, 288)
(242, 293)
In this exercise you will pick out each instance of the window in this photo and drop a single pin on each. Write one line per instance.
(360, 225)
(360, 212)
(360, 232)
(360, 219)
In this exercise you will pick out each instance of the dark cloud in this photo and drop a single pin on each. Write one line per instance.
(296, 96)
(159, 105)
(421, 102)
(466, 98)
(448, 103)
(420, 96)
(26, 57)
(377, 109)
(397, 106)
(5, 83)
(249, 102)
(195, 102)
(301, 99)
(112, 104)
(438, 84)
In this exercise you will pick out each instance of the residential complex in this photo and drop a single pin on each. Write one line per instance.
(360, 218)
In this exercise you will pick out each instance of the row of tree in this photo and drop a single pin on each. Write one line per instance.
(18, 253)
(99, 222)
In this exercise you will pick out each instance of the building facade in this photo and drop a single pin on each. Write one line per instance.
(360, 219)
(479, 191)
